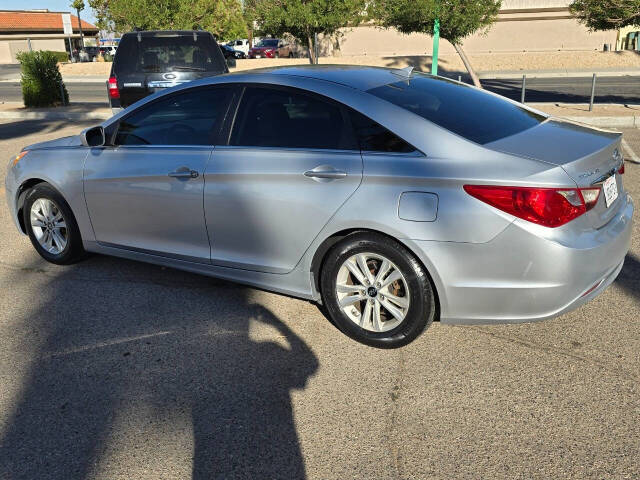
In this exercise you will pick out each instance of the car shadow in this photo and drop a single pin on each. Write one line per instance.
(23, 128)
(128, 353)
(629, 277)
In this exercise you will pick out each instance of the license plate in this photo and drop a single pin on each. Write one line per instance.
(610, 188)
(258, 56)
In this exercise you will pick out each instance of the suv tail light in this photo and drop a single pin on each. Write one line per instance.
(621, 169)
(112, 86)
(550, 207)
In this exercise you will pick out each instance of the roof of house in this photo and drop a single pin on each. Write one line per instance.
(38, 21)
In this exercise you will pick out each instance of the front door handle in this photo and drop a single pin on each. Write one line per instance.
(325, 172)
(184, 172)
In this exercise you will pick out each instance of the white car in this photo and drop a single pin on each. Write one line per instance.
(242, 45)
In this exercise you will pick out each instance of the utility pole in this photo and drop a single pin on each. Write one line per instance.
(436, 44)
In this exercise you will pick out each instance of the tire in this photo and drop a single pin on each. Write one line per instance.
(290, 54)
(73, 251)
(277, 55)
(413, 289)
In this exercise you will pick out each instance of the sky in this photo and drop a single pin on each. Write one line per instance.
(52, 5)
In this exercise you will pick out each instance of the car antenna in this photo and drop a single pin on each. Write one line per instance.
(406, 72)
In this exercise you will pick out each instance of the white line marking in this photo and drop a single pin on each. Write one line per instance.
(632, 154)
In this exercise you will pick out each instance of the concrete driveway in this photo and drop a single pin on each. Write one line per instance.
(115, 369)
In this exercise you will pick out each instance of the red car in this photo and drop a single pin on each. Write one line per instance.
(271, 48)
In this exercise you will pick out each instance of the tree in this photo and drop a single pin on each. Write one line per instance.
(223, 18)
(458, 20)
(606, 14)
(79, 6)
(304, 19)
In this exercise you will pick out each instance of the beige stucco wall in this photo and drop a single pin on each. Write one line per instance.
(5, 52)
(503, 36)
(10, 45)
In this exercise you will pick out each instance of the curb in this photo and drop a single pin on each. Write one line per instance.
(631, 121)
(73, 116)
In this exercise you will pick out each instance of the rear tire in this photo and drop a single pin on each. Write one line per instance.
(51, 225)
(388, 306)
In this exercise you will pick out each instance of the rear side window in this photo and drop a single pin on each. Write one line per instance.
(290, 118)
(166, 53)
(190, 118)
(473, 114)
(373, 137)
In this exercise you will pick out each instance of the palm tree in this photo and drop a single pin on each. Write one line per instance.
(79, 5)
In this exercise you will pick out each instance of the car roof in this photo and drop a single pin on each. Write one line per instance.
(168, 33)
(354, 76)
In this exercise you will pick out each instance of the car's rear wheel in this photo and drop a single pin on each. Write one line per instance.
(290, 54)
(376, 291)
(51, 226)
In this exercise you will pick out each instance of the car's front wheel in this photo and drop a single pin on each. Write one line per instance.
(376, 291)
(51, 226)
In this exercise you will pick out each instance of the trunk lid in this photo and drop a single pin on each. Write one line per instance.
(588, 155)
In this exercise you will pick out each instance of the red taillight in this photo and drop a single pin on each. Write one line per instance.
(551, 207)
(112, 86)
(590, 197)
(621, 169)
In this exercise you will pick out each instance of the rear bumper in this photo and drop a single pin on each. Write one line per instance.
(522, 277)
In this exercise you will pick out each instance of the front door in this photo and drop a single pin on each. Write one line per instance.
(145, 192)
(291, 163)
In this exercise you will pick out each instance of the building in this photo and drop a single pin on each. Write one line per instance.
(23, 30)
(522, 26)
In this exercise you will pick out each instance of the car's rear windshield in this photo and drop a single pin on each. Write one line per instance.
(268, 43)
(469, 112)
(168, 52)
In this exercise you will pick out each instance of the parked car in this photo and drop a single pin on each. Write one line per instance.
(271, 48)
(108, 50)
(240, 45)
(229, 52)
(148, 62)
(391, 197)
(92, 53)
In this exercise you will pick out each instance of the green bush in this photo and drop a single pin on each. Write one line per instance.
(41, 79)
(60, 56)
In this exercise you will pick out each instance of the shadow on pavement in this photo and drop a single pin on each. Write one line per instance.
(629, 277)
(128, 350)
(16, 129)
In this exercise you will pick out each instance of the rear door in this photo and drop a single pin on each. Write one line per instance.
(291, 162)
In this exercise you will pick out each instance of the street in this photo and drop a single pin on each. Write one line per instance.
(623, 89)
(116, 369)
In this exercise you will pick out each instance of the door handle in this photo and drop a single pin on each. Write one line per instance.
(184, 172)
(325, 172)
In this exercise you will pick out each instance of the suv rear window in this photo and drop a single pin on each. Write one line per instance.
(168, 52)
(471, 113)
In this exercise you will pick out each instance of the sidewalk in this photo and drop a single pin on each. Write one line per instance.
(606, 116)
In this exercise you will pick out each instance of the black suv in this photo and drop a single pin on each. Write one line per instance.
(146, 62)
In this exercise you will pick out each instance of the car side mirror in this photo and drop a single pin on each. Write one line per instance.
(93, 137)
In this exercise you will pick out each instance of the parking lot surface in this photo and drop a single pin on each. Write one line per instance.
(116, 369)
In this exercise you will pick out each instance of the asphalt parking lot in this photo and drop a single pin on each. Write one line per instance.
(116, 369)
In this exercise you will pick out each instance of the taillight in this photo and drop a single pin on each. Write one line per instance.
(621, 169)
(550, 207)
(112, 86)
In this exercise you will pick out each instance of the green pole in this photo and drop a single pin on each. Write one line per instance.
(436, 44)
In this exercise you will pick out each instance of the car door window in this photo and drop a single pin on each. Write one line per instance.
(290, 118)
(373, 137)
(190, 118)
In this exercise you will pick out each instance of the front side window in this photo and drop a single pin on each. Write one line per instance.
(190, 118)
(471, 113)
(290, 118)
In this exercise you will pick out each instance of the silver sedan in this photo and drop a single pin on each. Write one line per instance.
(392, 197)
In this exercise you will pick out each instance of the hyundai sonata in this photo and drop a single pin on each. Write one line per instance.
(391, 197)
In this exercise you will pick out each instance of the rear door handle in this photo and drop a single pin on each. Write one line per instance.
(184, 172)
(325, 172)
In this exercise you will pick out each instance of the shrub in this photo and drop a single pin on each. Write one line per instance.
(41, 79)
(60, 56)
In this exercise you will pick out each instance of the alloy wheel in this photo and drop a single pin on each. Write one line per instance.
(372, 292)
(49, 226)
